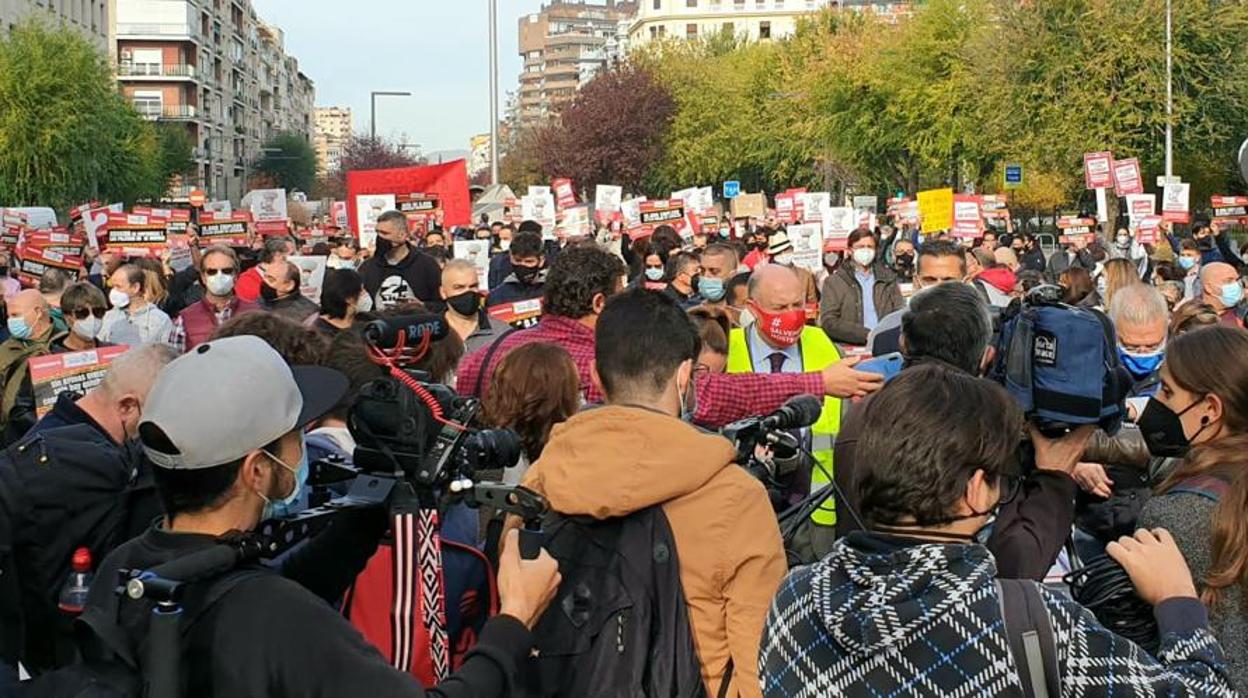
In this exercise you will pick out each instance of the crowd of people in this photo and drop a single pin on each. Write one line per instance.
(871, 551)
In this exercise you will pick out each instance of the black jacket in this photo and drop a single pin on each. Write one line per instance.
(293, 307)
(1033, 260)
(416, 277)
(1060, 261)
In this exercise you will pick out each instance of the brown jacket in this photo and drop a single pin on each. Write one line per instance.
(840, 310)
(614, 460)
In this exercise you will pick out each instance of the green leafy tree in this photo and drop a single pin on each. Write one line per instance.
(176, 146)
(66, 133)
(289, 161)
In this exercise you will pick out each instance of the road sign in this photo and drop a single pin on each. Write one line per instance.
(1013, 176)
(198, 198)
(732, 189)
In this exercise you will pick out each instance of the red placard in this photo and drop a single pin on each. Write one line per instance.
(136, 234)
(423, 211)
(229, 229)
(659, 212)
(1127, 177)
(1230, 210)
(33, 261)
(449, 182)
(1074, 227)
(518, 313)
(76, 213)
(968, 216)
(75, 372)
(565, 194)
(786, 208)
(1098, 170)
(1149, 230)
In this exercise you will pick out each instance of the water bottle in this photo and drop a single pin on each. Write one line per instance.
(74, 594)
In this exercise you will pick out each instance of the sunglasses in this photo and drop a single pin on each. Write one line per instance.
(83, 313)
(214, 272)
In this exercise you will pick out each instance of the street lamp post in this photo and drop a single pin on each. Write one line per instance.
(494, 92)
(1169, 93)
(372, 111)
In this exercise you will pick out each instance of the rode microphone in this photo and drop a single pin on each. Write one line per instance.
(415, 327)
(800, 411)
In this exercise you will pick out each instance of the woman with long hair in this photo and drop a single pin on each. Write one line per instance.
(1077, 288)
(1118, 273)
(535, 387)
(1201, 414)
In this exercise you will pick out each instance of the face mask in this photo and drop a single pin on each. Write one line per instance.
(118, 299)
(504, 245)
(711, 289)
(694, 283)
(864, 256)
(784, 259)
(688, 401)
(1102, 286)
(1142, 366)
(1232, 294)
(654, 274)
(88, 328)
(282, 508)
(19, 328)
(383, 246)
(1163, 431)
(904, 261)
(1124, 240)
(364, 304)
(783, 329)
(466, 303)
(1204, 244)
(1187, 262)
(745, 318)
(831, 259)
(527, 275)
(221, 284)
(268, 293)
(761, 245)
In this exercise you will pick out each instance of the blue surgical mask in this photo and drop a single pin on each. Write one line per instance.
(1142, 365)
(19, 328)
(1232, 294)
(711, 289)
(654, 274)
(286, 506)
(1187, 262)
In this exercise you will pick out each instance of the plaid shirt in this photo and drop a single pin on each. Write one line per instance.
(722, 398)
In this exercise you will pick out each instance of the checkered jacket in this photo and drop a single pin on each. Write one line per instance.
(880, 619)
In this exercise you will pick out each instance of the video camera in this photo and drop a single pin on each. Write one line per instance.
(772, 433)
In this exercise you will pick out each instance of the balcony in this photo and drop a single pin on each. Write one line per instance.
(155, 70)
(156, 112)
(172, 30)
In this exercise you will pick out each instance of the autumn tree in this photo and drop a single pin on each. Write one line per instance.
(363, 153)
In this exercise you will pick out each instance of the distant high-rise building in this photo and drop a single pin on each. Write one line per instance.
(91, 18)
(332, 131)
(217, 70)
(563, 47)
(753, 20)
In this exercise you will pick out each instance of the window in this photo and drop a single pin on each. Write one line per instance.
(148, 102)
(691, 31)
(145, 61)
(662, 30)
(729, 29)
(658, 4)
(764, 30)
(654, 32)
(691, 3)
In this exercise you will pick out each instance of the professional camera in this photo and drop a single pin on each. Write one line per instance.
(766, 446)
(1061, 363)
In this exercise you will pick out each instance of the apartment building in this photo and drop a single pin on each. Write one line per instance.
(92, 18)
(563, 47)
(214, 68)
(332, 129)
(753, 20)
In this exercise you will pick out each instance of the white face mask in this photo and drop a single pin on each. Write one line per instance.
(118, 299)
(364, 304)
(864, 256)
(504, 245)
(221, 284)
(783, 259)
(88, 328)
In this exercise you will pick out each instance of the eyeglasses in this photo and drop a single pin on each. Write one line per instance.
(1011, 484)
(214, 272)
(82, 313)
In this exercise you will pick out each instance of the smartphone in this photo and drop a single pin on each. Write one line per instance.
(888, 365)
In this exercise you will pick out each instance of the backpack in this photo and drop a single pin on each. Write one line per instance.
(618, 626)
(1032, 644)
(1061, 364)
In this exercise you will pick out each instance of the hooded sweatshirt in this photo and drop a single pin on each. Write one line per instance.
(612, 461)
(888, 616)
(415, 277)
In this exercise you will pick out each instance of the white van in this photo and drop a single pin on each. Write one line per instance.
(37, 217)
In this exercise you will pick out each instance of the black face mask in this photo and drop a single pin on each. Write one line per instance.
(268, 293)
(760, 245)
(1204, 244)
(466, 303)
(904, 261)
(4, 271)
(383, 245)
(527, 275)
(1163, 430)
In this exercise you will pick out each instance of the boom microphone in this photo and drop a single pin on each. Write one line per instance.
(385, 333)
(800, 411)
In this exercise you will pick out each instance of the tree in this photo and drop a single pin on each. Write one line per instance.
(363, 153)
(289, 160)
(611, 133)
(175, 145)
(66, 134)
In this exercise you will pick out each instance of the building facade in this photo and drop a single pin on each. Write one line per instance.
(563, 47)
(752, 20)
(214, 68)
(332, 130)
(92, 18)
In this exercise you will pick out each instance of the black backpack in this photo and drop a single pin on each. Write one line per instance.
(619, 626)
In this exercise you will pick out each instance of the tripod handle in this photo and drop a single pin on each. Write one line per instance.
(530, 543)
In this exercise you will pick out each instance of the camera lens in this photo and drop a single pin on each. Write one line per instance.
(490, 449)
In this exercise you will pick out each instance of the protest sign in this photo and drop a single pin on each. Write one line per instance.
(1230, 210)
(75, 372)
(936, 210)
(136, 235)
(368, 208)
(1139, 206)
(866, 203)
(1073, 228)
(968, 219)
(630, 211)
(95, 222)
(1127, 178)
(538, 190)
(58, 240)
(994, 207)
(268, 205)
(176, 219)
(312, 275)
(565, 194)
(749, 206)
(229, 229)
(1175, 203)
(607, 199)
(786, 208)
(423, 212)
(812, 206)
(338, 214)
(1148, 230)
(838, 223)
(1098, 170)
(448, 182)
(540, 208)
(697, 199)
(652, 214)
(574, 223)
(518, 314)
(223, 206)
(78, 212)
(807, 239)
(180, 255)
(476, 252)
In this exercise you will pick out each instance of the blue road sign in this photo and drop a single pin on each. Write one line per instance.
(1013, 175)
(732, 189)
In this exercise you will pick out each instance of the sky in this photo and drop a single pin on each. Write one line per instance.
(436, 49)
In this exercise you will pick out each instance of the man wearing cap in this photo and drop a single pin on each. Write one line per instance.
(780, 247)
(273, 634)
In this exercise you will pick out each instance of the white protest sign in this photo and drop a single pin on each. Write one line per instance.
(632, 211)
(1175, 203)
(312, 276)
(223, 207)
(807, 240)
(268, 205)
(368, 207)
(1139, 206)
(540, 208)
(97, 218)
(607, 201)
(478, 253)
(838, 223)
(536, 190)
(814, 205)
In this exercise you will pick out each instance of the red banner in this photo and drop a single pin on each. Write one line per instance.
(1230, 210)
(136, 235)
(449, 182)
